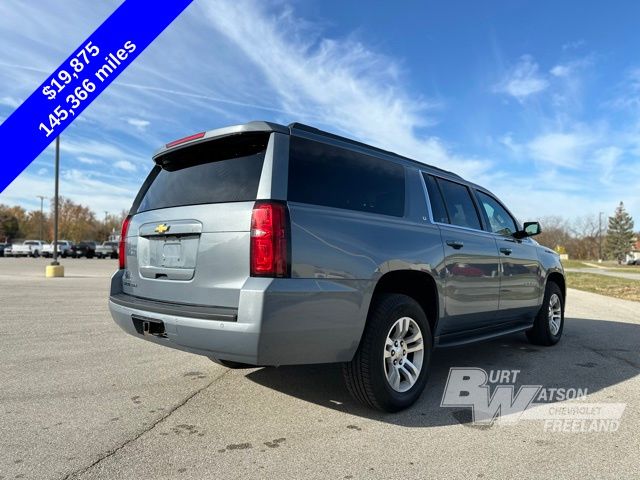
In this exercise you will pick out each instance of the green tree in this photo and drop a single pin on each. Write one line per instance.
(10, 220)
(620, 234)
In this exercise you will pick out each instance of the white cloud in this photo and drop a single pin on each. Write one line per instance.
(42, 171)
(108, 194)
(564, 70)
(88, 161)
(560, 71)
(560, 149)
(125, 165)
(10, 102)
(138, 123)
(628, 92)
(607, 158)
(338, 84)
(522, 80)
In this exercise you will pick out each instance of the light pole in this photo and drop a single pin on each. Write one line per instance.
(41, 197)
(55, 206)
(55, 269)
(600, 235)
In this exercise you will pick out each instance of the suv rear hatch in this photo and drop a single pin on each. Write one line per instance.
(189, 236)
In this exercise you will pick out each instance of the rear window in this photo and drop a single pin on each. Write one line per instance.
(225, 170)
(321, 174)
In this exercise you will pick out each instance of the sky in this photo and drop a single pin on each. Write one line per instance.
(538, 101)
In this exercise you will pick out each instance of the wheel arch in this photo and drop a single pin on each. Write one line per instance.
(558, 278)
(419, 285)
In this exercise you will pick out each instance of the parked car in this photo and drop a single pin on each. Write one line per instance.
(65, 247)
(86, 248)
(107, 250)
(29, 248)
(263, 245)
(4, 247)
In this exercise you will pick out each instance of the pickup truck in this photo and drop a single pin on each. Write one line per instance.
(64, 249)
(30, 248)
(86, 248)
(107, 250)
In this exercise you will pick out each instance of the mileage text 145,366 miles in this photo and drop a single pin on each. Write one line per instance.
(77, 66)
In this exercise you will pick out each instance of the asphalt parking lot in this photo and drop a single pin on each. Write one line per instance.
(80, 399)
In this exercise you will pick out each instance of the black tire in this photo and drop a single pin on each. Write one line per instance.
(365, 375)
(540, 333)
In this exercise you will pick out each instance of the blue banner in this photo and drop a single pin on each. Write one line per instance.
(79, 80)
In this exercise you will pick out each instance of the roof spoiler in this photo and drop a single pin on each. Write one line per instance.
(251, 127)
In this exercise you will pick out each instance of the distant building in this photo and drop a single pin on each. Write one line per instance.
(634, 256)
(114, 236)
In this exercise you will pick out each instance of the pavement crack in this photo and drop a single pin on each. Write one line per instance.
(113, 451)
(606, 353)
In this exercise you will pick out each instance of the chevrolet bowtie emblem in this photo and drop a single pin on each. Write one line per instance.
(163, 227)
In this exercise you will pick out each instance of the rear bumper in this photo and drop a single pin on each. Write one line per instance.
(278, 321)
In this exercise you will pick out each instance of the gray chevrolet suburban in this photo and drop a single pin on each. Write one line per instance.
(266, 245)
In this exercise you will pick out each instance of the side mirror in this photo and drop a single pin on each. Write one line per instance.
(530, 229)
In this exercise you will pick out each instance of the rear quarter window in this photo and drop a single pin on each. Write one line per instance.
(461, 210)
(321, 174)
(217, 171)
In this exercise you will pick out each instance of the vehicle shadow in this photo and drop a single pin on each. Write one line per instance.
(593, 355)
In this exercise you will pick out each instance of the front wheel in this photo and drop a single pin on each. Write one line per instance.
(389, 370)
(549, 323)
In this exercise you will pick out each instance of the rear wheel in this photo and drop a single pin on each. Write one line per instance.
(549, 323)
(389, 370)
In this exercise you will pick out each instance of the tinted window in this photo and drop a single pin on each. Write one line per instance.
(459, 205)
(226, 170)
(498, 218)
(321, 174)
(435, 198)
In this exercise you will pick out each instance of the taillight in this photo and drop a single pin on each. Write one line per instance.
(269, 240)
(122, 250)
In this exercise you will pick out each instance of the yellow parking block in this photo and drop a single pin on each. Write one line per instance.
(54, 271)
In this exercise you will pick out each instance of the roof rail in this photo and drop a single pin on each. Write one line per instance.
(306, 128)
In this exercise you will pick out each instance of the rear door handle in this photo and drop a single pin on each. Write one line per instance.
(506, 251)
(455, 244)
